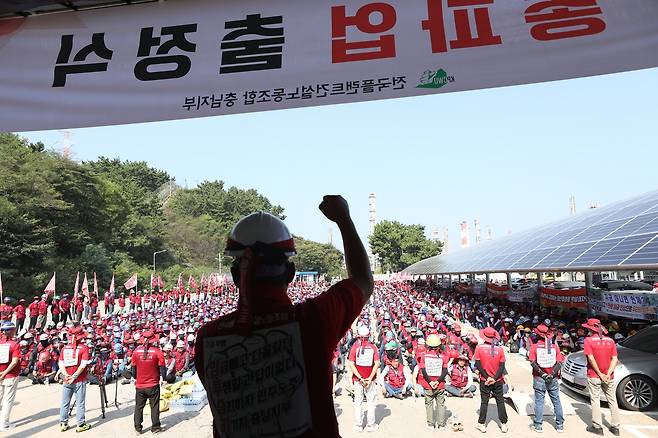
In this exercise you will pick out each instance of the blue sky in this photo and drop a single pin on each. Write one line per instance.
(510, 156)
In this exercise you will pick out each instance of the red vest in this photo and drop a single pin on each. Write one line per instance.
(459, 377)
(395, 377)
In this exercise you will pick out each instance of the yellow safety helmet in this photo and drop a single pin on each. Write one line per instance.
(433, 340)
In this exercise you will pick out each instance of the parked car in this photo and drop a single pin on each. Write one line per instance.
(636, 376)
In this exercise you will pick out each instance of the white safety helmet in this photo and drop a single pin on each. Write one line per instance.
(168, 347)
(259, 227)
(363, 331)
(190, 338)
(180, 344)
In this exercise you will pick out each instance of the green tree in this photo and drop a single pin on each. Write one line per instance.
(398, 245)
(319, 257)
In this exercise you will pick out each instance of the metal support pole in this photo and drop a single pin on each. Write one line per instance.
(588, 287)
(509, 281)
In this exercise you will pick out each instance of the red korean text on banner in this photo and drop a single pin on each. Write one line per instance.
(559, 19)
(567, 298)
(343, 50)
(482, 35)
(497, 290)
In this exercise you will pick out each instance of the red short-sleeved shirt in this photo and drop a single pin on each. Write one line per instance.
(603, 349)
(43, 308)
(546, 361)
(489, 363)
(364, 355)
(74, 357)
(323, 321)
(148, 370)
(10, 350)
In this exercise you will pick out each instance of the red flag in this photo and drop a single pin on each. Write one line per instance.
(204, 281)
(1, 291)
(76, 288)
(160, 282)
(212, 283)
(131, 283)
(179, 285)
(154, 283)
(50, 287)
(112, 285)
(191, 283)
(95, 285)
(85, 286)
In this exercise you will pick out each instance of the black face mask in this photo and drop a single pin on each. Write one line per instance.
(390, 354)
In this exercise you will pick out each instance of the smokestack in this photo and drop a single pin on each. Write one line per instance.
(446, 241)
(372, 221)
(372, 212)
(489, 234)
(435, 233)
(477, 231)
(330, 239)
(572, 205)
(464, 237)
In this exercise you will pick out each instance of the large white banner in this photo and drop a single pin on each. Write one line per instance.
(629, 304)
(194, 58)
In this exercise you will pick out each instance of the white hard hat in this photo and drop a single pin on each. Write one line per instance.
(23, 343)
(190, 338)
(167, 347)
(43, 337)
(136, 336)
(363, 331)
(180, 344)
(259, 227)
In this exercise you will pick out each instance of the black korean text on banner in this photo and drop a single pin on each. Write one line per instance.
(194, 58)
(257, 385)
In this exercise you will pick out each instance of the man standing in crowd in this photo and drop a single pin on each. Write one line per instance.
(363, 361)
(149, 365)
(546, 361)
(34, 312)
(10, 353)
(6, 311)
(490, 362)
(19, 310)
(262, 245)
(601, 353)
(432, 373)
(65, 307)
(42, 309)
(73, 361)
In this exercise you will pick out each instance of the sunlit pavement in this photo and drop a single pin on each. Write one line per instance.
(36, 414)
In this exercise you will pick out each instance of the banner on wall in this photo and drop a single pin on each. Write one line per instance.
(567, 298)
(499, 291)
(196, 58)
(522, 295)
(628, 304)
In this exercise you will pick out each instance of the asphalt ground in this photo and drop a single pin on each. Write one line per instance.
(36, 414)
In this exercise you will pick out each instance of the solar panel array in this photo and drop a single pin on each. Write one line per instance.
(623, 235)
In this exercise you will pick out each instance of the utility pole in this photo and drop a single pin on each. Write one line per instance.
(154, 254)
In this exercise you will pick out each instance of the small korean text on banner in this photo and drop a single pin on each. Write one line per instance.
(257, 385)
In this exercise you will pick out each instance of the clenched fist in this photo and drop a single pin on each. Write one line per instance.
(335, 208)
